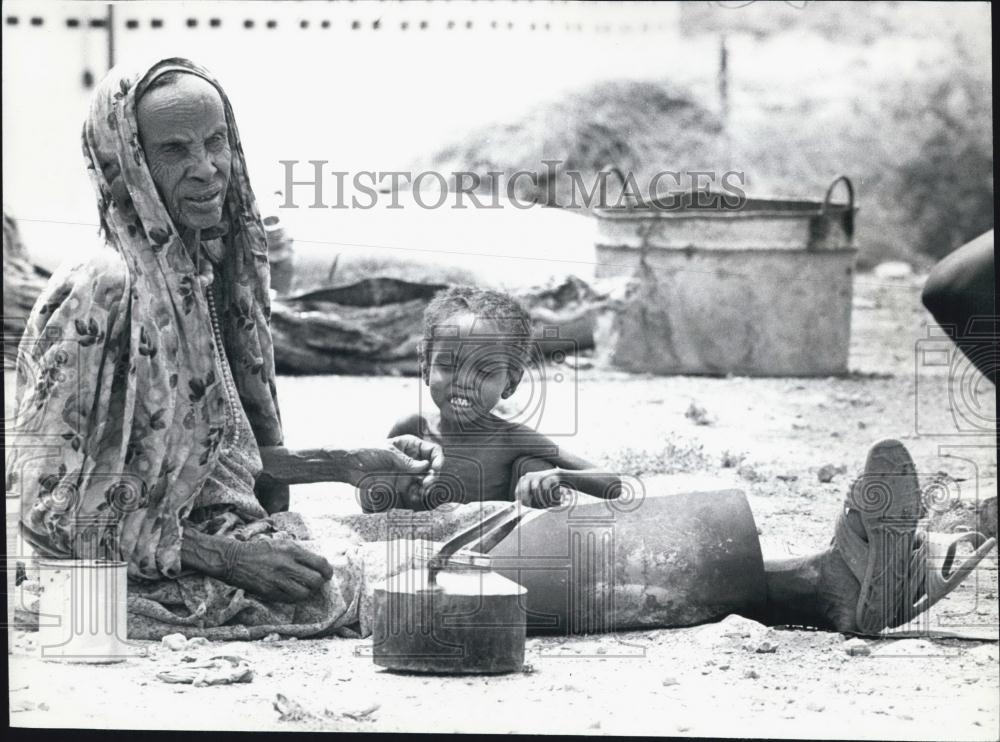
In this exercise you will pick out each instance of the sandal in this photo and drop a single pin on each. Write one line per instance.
(933, 571)
(886, 498)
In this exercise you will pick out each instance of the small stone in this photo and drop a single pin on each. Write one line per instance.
(670, 680)
(857, 648)
(174, 642)
(724, 667)
(698, 414)
(787, 477)
(751, 674)
(767, 646)
(43, 706)
(528, 669)
(750, 473)
(815, 706)
(827, 472)
(595, 725)
(198, 641)
(275, 637)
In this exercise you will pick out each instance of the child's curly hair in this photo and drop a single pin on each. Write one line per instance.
(501, 309)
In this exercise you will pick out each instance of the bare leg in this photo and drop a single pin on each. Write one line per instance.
(818, 590)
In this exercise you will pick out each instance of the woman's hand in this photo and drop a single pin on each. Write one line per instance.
(396, 476)
(282, 571)
(539, 489)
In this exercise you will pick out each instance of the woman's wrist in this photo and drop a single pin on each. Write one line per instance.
(209, 555)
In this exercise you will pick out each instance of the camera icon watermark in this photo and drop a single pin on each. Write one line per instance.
(958, 363)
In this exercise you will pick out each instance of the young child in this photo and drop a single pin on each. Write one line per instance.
(473, 354)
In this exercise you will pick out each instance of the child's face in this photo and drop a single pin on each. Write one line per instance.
(470, 367)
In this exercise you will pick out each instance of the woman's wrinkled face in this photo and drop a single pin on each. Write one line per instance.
(182, 128)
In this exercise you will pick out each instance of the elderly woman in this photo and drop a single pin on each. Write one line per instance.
(146, 392)
(146, 403)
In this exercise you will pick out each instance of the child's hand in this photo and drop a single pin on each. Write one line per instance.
(539, 489)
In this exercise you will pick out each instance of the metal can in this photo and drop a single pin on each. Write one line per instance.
(83, 611)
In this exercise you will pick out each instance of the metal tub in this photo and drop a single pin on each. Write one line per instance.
(759, 288)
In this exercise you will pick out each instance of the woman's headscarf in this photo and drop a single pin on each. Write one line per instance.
(120, 411)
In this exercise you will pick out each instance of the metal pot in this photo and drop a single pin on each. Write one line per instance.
(454, 614)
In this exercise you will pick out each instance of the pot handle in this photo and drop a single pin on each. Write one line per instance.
(848, 216)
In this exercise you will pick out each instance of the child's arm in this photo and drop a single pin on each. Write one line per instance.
(537, 479)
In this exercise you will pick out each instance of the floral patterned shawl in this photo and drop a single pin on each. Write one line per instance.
(120, 412)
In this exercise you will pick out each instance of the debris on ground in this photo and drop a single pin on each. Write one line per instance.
(750, 473)
(827, 472)
(179, 642)
(222, 670)
(857, 647)
(174, 642)
(364, 714)
(732, 629)
(670, 680)
(698, 414)
(272, 637)
(731, 459)
(766, 646)
(290, 710)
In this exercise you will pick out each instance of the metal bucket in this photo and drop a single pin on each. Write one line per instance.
(83, 611)
(762, 287)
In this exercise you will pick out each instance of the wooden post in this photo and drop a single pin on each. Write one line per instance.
(111, 35)
(724, 95)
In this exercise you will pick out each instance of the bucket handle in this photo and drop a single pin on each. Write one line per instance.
(617, 172)
(849, 213)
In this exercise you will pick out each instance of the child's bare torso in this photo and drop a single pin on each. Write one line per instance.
(478, 462)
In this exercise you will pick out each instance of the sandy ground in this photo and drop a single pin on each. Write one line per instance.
(767, 436)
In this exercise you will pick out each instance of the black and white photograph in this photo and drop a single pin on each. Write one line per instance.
(501, 367)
